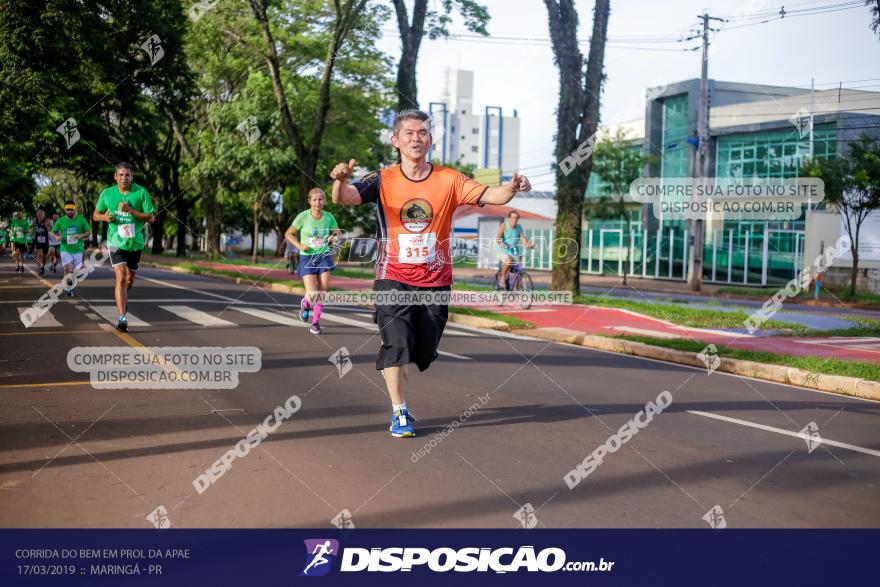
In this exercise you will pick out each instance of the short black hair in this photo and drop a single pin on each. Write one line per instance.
(411, 114)
(512, 212)
(70, 203)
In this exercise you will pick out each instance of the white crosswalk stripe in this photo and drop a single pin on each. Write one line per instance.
(279, 318)
(111, 314)
(197, 316)
(203, 318)
(46, 320)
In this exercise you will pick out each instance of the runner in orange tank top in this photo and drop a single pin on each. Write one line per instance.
(415, 201)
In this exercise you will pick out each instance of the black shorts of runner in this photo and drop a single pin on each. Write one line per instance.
(410, 332)
(42, 247)
(21, 247)
(131, 258)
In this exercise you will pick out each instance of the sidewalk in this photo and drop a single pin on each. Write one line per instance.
(615, 322)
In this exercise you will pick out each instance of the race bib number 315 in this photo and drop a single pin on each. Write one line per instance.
(417, 248)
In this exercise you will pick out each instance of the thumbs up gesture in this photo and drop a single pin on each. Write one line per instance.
(343, 171)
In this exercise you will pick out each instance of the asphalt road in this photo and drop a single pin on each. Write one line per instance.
(75, 456)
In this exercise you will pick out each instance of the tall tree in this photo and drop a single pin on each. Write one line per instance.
(852, 186)
(576, 124)
(435, 24)
(306, 143)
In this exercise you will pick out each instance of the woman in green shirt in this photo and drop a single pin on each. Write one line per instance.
(313, 231)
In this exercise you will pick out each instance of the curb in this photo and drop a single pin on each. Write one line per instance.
(850, 386)
(479, 322)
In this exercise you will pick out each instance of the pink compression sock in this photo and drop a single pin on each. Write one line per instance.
(317, 315)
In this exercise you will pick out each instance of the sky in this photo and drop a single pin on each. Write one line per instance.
(516, 73)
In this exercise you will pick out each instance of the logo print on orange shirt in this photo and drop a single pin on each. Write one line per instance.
(416, 214)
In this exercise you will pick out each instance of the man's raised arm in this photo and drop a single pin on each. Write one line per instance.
(502, 194)
(342, 192)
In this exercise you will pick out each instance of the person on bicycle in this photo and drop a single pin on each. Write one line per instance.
(512, 241)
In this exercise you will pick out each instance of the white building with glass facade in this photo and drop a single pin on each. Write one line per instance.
(755, 131)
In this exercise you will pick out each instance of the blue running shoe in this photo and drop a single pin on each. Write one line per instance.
(401, 426)
(122, 324)
(303, 311)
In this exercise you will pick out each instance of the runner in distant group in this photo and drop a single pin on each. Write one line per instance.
(21, 229)
(312, 232)
(54, 244)
(4, 237)
(71, 230)
(41, 240)
(415, 201)
(126, 206)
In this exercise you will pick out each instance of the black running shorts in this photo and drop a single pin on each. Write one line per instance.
(131, 258)
(410, 333)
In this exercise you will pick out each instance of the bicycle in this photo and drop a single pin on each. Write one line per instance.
(518, 280)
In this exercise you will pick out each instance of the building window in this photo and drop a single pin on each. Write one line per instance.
(675, 151)
(475, 131)
(771, 154)
(453, 128)
(463, 137)
(473, 149)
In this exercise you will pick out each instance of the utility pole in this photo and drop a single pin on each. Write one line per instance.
(701, 168)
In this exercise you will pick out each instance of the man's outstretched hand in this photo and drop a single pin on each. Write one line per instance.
(343, 171)
(520, 183)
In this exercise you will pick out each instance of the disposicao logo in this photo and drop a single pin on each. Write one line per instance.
(320, 554)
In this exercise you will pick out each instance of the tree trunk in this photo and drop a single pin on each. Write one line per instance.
(578, 108)
(255, 230)
(280, 229)
(158, 230)
(407, 91)
(182, 206)
(410, 41)
(211, 209)
(854, 276)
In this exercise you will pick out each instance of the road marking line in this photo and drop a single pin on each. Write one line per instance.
(92, 316)
(46, 320)
(454, 356)
(197, 316)
(110, 314)
(144, 350)
(124, 336)
(55, 332)
(350, 322)
(175, 286)
(867, 451)
(53, 384)
(272, 316)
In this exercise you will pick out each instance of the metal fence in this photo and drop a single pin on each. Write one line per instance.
(736, 256)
